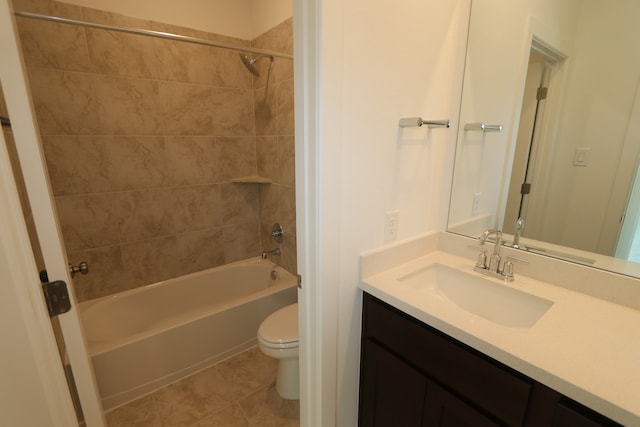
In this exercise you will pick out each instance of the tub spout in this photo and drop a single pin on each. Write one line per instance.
(276, 251)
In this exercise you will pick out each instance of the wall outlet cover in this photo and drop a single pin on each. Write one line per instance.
(391, 225)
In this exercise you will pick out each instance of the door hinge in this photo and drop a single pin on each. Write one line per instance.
(299, 279)
(526, 188)
(542, 93)
(57, 297)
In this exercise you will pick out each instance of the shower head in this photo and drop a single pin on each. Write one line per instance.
(249, 63)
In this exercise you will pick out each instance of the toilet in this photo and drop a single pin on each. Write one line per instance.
(278, 338)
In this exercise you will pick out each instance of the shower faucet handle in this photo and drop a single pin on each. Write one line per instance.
(277, 232)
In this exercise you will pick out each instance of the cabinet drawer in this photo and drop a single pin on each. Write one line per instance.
(484, 382)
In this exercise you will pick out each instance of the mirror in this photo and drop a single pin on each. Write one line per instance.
(566, 164)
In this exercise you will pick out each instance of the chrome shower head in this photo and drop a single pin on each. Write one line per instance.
(249, 63)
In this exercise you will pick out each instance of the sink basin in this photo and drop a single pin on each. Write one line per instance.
(498, 303)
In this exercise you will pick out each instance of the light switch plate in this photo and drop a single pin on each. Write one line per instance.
(581, 156)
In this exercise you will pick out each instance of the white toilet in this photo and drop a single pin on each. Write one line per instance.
(278, 338)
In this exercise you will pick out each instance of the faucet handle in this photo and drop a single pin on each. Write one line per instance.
(481, 262)
(507, 268)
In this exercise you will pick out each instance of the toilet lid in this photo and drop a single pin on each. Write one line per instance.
(281, 326)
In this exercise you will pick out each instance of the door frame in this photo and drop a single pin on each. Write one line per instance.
(29, 148)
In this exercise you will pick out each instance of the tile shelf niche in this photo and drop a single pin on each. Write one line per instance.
(252, 180)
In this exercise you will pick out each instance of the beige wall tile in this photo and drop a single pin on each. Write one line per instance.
(288, 259)
(144, 214)
(182, 62)
(151, 261)
(192, 160)
(142, 137)
(288, 208)
(121, 54)
(240, 203)
(186, 109)
(196, 208)
(270, 204)
(137, 162)
(268, 157)
(285, 108)
(106, 276)
(266, 111)
(88, 221)
(286, 160)
(202, 249)
(283, 69)
(237, 157)
(54, 45)
(241, 241)
(128, 106)
(233, 112)
(77, 164)
(65, 102)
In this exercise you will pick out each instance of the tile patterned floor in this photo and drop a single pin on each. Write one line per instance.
(238, 392)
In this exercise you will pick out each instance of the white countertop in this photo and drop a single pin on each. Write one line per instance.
(584, 347)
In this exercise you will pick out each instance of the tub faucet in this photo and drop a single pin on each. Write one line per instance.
(276, 251)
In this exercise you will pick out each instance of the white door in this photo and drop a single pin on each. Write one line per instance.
(12, 78)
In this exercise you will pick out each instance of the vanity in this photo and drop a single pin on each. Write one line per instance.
(443, 345)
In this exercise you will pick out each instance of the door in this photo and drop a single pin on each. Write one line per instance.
(523, 171)
(392, 393)
(12, 78)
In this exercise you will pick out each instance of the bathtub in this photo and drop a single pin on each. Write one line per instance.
(145, 338)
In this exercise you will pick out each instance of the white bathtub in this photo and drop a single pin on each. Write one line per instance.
(142, 339)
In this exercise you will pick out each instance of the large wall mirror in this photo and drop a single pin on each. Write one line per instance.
(555, 166)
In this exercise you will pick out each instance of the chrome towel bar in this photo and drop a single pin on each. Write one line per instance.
(483, 127)
(418, 121)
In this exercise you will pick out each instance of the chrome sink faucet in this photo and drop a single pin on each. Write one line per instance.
(494, 259)
(494, 266)
(518, 232)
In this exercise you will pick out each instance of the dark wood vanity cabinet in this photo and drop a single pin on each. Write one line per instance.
(414, 375)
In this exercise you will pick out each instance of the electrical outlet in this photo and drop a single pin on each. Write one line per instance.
(475, 205)
(391, 226)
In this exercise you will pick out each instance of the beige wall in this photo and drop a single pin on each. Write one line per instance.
(142, 138)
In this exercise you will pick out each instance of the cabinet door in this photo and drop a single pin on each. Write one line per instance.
(392, 393)
(444, 409)
(570, 414)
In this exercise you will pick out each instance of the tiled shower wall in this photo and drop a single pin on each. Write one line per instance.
(142, 138)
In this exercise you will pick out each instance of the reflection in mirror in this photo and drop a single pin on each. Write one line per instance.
(562, 78)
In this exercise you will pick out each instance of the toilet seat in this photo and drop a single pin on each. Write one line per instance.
(280, 329)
